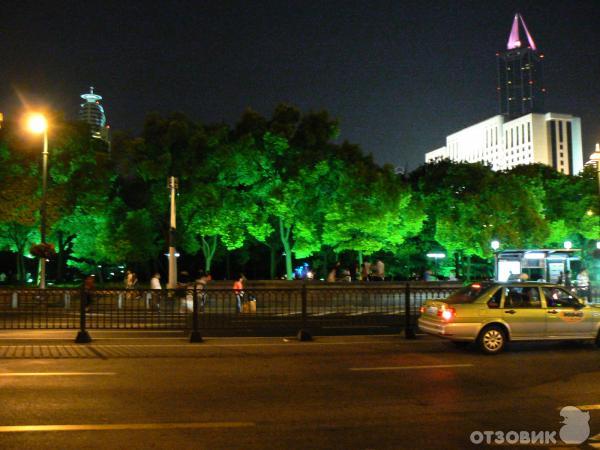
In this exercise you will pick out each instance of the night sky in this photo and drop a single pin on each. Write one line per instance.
(399, 75)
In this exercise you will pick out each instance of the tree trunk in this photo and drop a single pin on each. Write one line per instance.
(468, 268)
(284, 234)
(457, 264)
(273, 262)
(20, 267)
(208, 250)
(60, 257)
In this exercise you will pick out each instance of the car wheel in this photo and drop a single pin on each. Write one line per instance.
(492, 340)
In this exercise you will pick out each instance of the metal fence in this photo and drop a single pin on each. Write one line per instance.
(275, 308)
(284, 307)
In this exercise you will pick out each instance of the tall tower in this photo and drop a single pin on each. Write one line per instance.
(520, 88)
(92, 112)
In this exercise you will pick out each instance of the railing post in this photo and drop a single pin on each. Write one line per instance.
(15, 300)
(195, 336)
(304, 334)
(83, 337)
(409, 332)
(120, 301)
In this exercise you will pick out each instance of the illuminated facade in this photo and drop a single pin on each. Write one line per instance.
(92, 112)
(521, 133)
(551, 139)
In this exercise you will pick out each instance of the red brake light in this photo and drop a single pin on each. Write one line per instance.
(446, 313)
(422, 309)
(476, 286)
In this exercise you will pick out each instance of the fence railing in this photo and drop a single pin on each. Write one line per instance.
(278, 309)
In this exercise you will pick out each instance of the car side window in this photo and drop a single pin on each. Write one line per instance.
(522, 297)
(559, 298)
(494, 301)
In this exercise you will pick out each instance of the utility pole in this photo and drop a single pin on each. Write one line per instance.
(172, 284)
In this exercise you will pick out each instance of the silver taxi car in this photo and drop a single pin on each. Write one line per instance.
(491, 314)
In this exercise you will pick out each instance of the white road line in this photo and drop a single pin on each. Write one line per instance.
(123, 426)
(55, 374)
(434, 366)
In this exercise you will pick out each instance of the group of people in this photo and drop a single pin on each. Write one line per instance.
(368, 272)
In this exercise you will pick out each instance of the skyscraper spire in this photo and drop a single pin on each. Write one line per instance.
(514, 39)
(92, 112)
(520, 84)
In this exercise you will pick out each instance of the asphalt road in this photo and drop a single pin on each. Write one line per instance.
(364, 392)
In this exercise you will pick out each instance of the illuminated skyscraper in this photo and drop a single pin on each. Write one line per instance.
(92, 112)
(523, 133)
(520, 84)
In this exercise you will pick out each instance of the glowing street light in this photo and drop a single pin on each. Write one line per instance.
(568, 245)
(495, 244)
(37, 124)
(435, 257)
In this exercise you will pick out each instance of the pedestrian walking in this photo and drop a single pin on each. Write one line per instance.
(200, 285)
(89, 285)
(155, 286)
(332, 276)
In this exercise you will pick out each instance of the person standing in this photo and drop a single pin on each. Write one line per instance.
(365, 273)
(89, 284)
(129, 279)
(155, 286)
(238, 290)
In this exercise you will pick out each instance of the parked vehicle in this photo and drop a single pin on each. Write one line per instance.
(492, 314)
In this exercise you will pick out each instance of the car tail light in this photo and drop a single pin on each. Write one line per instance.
(422, 309)
(446, 313)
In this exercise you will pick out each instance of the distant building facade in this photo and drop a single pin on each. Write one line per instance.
(92, 112)
(522, 133)
(551, 139)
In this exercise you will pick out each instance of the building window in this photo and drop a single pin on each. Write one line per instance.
(560, 131)
(511, 137)
(529, 132)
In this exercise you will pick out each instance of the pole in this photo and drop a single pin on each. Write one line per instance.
(83, 337)
(409, 333)
(172, 284)
(43, 209)
(195, 336)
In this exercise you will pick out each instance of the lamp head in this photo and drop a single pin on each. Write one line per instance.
(36, 123)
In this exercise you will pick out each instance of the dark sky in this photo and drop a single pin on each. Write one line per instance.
(399, 75)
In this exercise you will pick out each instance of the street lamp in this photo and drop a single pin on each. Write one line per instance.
(435, 257)
(568, 245)
(173, 185)
(495, 244)
(37, 124)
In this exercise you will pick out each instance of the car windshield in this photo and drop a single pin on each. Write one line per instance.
(469, 293)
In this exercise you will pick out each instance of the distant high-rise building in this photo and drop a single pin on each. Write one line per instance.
(520, 83)
(523, 133)
(92, 112)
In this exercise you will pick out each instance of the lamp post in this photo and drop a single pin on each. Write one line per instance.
(37, 124)
(172, 283)
(435, 257)
(495, 244)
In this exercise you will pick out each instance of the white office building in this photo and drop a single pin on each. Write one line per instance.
(522, 133)
(551, 139)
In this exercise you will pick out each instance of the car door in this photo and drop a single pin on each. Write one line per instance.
(522, 311)
(565, 315)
